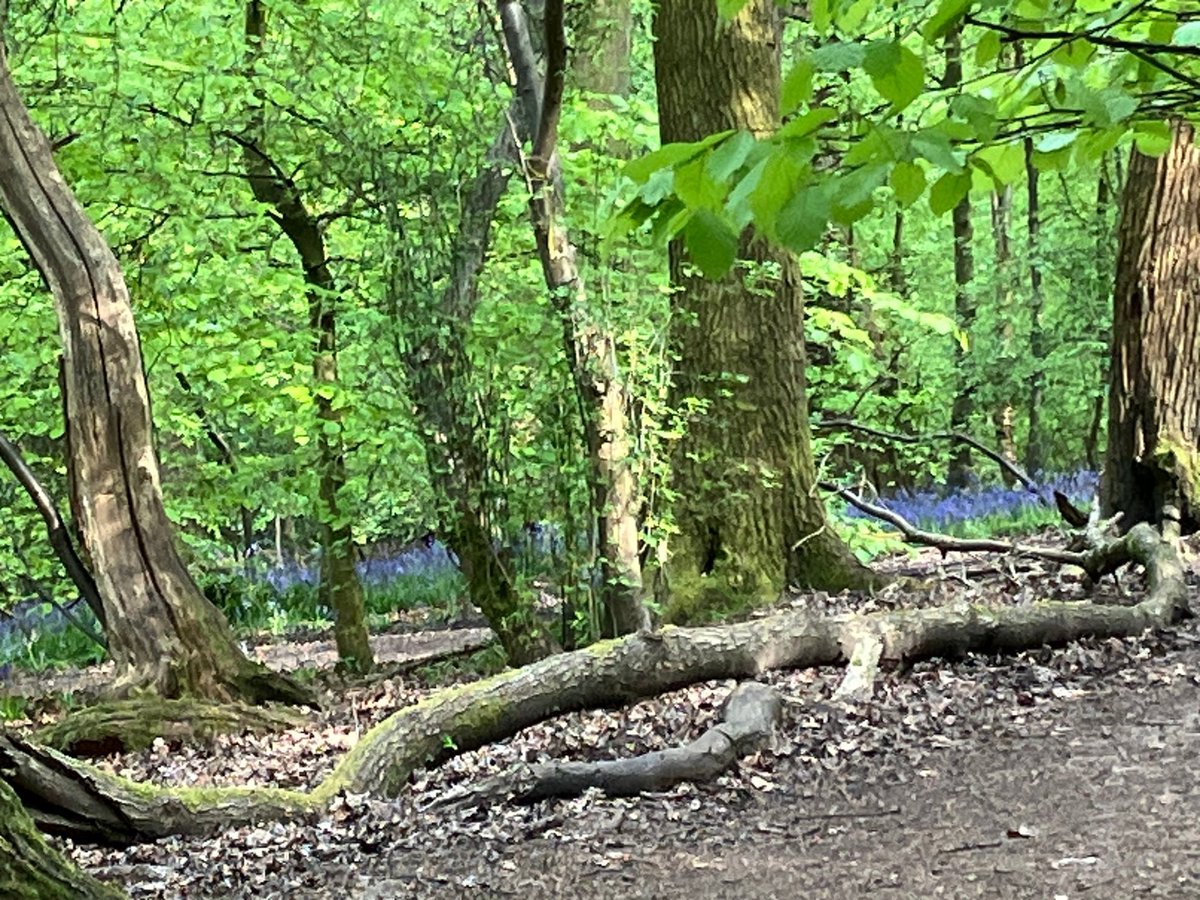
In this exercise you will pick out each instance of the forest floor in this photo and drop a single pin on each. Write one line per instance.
(1054, 773)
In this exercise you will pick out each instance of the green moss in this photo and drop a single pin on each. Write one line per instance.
(697, 600)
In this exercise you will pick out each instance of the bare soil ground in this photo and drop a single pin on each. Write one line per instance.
(1056, 773)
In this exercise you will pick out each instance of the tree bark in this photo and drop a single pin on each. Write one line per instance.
(339, 588)
(964, 299)
(590, 348)
(748, 517)
(1153, 456)
(1035, 452)
(30, 869)
(163, 635)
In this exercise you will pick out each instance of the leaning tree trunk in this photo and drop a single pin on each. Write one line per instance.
(30, 869)
(1153, 456)
(750, 520)
(162, 633)
(339, 588)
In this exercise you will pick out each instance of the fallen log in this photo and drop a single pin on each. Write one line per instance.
(83, 801)
(30, 869)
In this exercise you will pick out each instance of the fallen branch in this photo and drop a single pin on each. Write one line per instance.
(1103, 558)
(750, 716)
(953, 436)
(83, 801)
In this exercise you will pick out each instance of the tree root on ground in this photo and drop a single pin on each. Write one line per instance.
(751, 713)
(80, 800)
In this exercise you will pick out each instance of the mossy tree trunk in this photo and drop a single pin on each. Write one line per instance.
(1153, 457)
(339, 588)
(750, 520)
(163, 634)
(30, 869)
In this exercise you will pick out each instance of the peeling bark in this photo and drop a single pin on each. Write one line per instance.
(590, 348)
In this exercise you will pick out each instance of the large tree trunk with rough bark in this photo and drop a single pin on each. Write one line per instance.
(30, 869)
(1153, 457)
(162, 633)
(749, 519)
(589, 346)
(339, 588)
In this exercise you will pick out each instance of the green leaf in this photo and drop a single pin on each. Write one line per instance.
(1055, 141)
(670, 155)
(804, 125)
(949, 13)
(728, 9)
(896, 72)
(728, 158)
(711, 243)
(908, 182)
(1187, 35)
(1004, 162)
(696, 188)
(802, 221)
(838, 56)
(1152, 138)
(948, 190)
(797, 87)
(987, 50)
(934, 145)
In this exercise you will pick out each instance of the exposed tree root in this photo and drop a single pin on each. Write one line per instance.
(135, 724)
(748, 721)
(79, 799)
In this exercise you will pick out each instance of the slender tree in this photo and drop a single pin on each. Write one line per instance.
(1153, 458)
(162, 633)
(339, 587)
(590, 347)
(748, 516)
(1034, 452)
(964, 297)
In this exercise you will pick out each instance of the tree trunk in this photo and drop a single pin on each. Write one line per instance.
(339, 588)
(749, 519)
(1002, 358)
(1153, 456)
(1104, 234)
(163, 635)
(964, 300)
(590, 348)
(1034, 451)
(438, 368)
(30, 869)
